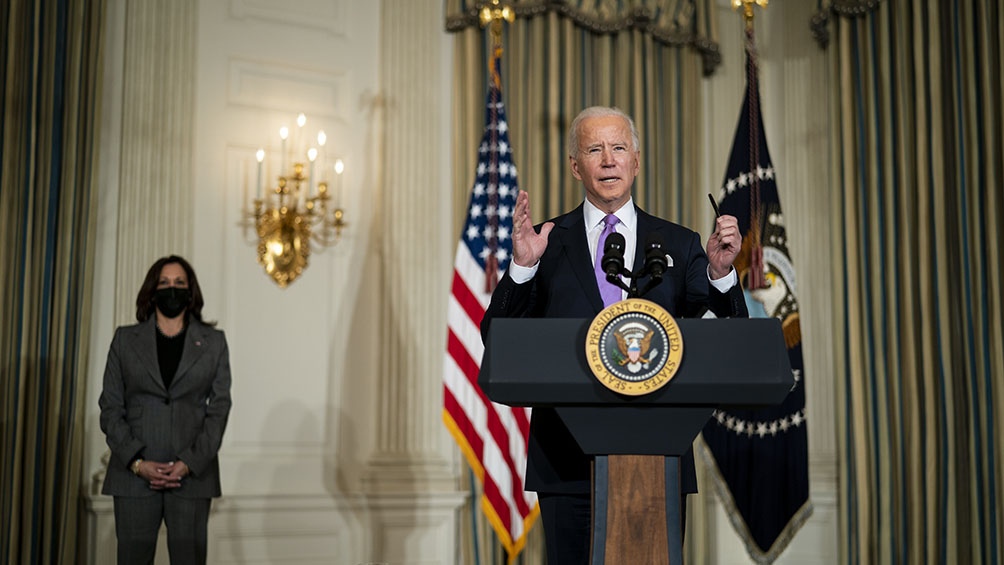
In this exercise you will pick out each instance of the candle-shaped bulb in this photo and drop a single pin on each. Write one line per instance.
(298, 140)
(284, 134)
(312, 155)
(260, 156)
(339, 169)
(322, 138)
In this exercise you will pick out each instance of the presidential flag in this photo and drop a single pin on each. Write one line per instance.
(759, 458)
(492, 436)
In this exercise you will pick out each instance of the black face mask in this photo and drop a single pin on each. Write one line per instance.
(172, 301)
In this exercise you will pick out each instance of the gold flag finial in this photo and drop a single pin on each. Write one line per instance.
(747, 6)
(493, 14)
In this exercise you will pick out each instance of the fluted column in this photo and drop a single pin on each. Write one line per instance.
(155, 168)
(411, 440)
(410, 481)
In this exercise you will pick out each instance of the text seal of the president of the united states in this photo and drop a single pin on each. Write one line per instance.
(634, 347)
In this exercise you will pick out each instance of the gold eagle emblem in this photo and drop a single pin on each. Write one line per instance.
(634, 349)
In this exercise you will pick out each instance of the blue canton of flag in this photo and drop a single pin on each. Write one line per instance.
(759, 458)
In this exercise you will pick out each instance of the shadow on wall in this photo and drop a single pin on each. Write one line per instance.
(269, 532)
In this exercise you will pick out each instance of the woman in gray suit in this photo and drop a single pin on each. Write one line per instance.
(164, 406)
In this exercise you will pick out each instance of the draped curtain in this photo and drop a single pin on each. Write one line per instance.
(920, 271)
(646, 57)
(49, 73)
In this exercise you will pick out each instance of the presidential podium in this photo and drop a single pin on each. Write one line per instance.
(637, 441)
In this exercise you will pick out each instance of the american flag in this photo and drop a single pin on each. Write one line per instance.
(492, 436)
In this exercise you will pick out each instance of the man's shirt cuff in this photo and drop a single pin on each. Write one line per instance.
(520, 275)
(723, 284)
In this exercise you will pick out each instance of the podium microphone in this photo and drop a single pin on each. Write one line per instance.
(612, 262)
(655, 262)
(655, 256)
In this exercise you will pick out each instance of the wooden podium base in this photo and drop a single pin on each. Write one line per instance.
(636, 511)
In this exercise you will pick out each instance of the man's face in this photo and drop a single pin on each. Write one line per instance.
(606, 162)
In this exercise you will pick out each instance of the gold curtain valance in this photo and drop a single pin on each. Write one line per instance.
(846, 8)
(672, 22)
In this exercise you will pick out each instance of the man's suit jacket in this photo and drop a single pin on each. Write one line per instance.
(565, 287)
(140, 417)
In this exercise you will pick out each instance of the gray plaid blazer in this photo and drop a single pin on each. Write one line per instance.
(185, 422)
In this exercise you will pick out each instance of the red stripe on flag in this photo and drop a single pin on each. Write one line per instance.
(468, 302)
(519, 414)
(470, 434)
(472, 441)
(498, 502)
(465, 362)
(494, 423)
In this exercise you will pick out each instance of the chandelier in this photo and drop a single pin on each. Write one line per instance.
(298, 209)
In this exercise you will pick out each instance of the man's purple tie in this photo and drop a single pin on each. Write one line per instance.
(608, 292)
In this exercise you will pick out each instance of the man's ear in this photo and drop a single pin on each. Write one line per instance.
(574, 164)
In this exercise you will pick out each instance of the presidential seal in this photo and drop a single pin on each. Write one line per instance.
(634, 347)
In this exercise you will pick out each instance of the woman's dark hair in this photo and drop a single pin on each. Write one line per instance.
(144, 300)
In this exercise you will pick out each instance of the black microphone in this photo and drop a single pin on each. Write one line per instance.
(655, 256)
(613, 255)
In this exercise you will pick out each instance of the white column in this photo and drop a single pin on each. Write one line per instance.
(411, 478)
(155, 166)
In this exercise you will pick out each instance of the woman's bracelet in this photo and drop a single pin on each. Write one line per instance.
(135, 465)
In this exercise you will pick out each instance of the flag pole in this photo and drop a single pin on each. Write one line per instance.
(757, 279)
(747, 6)
(493, 15)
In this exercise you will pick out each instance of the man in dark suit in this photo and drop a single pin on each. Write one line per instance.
(552, 275)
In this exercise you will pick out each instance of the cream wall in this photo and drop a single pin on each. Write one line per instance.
(335, 450)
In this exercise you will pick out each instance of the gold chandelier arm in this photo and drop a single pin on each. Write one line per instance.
(328, 231)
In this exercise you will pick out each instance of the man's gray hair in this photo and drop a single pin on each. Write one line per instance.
(597, 112)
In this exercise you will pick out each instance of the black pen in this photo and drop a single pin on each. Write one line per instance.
(714, 205)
